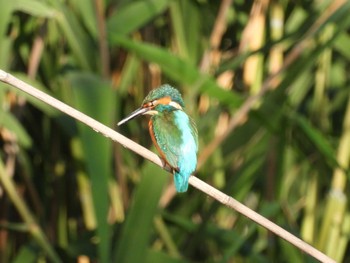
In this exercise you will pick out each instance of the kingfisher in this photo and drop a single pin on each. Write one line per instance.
(172, 131)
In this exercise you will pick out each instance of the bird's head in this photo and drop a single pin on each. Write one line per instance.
(165, 95)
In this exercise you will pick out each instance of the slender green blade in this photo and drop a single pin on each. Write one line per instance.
(178, 69)
(135, 237)
(135, 15)
(94, 97)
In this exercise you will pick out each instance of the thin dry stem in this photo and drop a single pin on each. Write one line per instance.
(102, 38)
(36, 52)
(216, 36)
(194, 181)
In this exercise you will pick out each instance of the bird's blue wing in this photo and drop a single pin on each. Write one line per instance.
(168, 138)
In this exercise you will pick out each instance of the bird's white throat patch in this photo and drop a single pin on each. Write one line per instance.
(175, 105)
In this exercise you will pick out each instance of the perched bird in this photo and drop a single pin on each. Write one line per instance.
(172, 131)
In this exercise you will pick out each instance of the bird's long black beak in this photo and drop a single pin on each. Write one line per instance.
(134, 114)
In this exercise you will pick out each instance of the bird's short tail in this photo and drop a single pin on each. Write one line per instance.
(181, 182)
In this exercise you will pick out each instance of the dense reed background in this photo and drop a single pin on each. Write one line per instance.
(70, 195)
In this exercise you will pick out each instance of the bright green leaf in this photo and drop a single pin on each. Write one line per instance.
(135, 15)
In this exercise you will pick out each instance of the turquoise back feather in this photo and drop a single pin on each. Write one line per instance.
(176, 136)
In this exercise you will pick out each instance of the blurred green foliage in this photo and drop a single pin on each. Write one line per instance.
(69, 194)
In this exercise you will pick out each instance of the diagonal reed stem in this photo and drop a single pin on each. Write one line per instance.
(194, 181)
